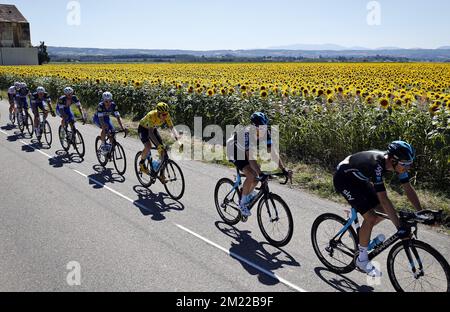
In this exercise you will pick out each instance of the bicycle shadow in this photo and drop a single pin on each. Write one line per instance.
(155, 205)
(30, 148)
(63, 158)
(104, 176)
(8, 127)
(341, 282)
(23, 135)
(40, 145)
(262, 254)
(13, 138)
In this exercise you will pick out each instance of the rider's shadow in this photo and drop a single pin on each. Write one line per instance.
(30, 148)
(155, 205)
(40, 145)
(62, 158)
(8, 127)
(104, 176)
(13, 138)
(247, 250)
(340, 282)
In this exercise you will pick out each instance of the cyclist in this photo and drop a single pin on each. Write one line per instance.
(12, 94)
(21, 99)
(239, 143)
(105, 109)
(149, 134)
(63, 108)
(40, 100)
(359, 178)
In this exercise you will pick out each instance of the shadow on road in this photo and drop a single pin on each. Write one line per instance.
(8, 127)
(340, 282)
(154, 205)
(63, 158)
(40, 145)
(104, 176)
(263, 255)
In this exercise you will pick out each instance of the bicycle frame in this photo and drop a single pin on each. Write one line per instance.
(353, 220)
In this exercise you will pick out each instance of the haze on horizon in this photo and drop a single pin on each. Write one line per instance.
(234, 25)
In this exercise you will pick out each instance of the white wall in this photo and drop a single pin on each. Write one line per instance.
(19, 56)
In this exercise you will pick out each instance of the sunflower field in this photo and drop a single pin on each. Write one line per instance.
(325, 111)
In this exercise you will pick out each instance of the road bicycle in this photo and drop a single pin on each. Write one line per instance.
(412, 265)
(168, 170)
(116, 152)
(45, 130)
(274, 216)
(69, 138)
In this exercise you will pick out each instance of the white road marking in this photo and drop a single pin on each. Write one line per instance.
(111, 190)
(38, 150)
(282, 280)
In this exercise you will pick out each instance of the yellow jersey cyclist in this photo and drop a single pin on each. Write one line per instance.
(240, 153)
(359, 178)
(148, 133)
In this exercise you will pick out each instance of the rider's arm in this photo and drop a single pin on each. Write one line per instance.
(277, 159)
(412, 196)
(388, 208)
(152, 135)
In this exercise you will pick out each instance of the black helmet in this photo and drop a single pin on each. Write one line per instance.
(402, 151)
(259, 119)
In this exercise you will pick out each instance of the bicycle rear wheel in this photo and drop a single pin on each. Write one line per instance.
(63, 138)
(120, 159)
(175, 184)
(102, 159)
(79, 144)
(20, 122)
(29, 125)
(275, 220)
(415, 266)
(47, 132)
(227, 199)
(143, 178)
(337, 254)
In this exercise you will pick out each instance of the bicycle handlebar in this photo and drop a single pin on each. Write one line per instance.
(427, 217)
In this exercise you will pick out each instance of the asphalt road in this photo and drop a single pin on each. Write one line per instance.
(54, 211)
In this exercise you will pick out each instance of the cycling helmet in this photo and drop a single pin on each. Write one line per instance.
(40, 90)
(259, 119)
(402, 151)
(162, 108)
(17, 85)
(68, 91)
(107, 96)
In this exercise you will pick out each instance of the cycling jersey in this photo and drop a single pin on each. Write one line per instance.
(102, 115)
(102, 111)
(241, 142)
(152, 120)
(63, 102)
(37, 102)
(12, 94)
(369, 167)
(63, 108)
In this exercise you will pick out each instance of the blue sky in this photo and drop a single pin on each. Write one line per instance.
(237, 24)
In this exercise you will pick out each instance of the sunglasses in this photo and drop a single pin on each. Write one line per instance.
(405, 164)
(164, 114)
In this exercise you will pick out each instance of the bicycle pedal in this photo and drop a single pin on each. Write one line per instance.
(244, 219)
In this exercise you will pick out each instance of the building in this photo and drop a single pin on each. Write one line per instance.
(15, 39)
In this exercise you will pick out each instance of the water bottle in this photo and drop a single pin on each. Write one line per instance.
(252, 196)
(155, 164)
(377, 241)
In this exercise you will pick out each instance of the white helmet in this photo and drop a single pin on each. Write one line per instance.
(107, 96)
(40, 90)
(68, 91)
(23, 85)
(17, 84)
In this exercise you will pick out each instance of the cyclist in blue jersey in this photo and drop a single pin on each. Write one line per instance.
(63, 108)
(12, 99)
(359, 178)
(40, 100)
(105, 109)
(21, 100)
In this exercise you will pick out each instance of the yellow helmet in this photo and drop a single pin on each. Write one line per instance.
(162, 107)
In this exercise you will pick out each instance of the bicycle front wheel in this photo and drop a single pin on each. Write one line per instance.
(63, 139)
(120, 159)
(337, 251)
(415, 266)
(175, 184)
(79, 144)
(227, 200)
(102, 159)
(143, 178)
(47, 131)
(275, 220)
(29, 125)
